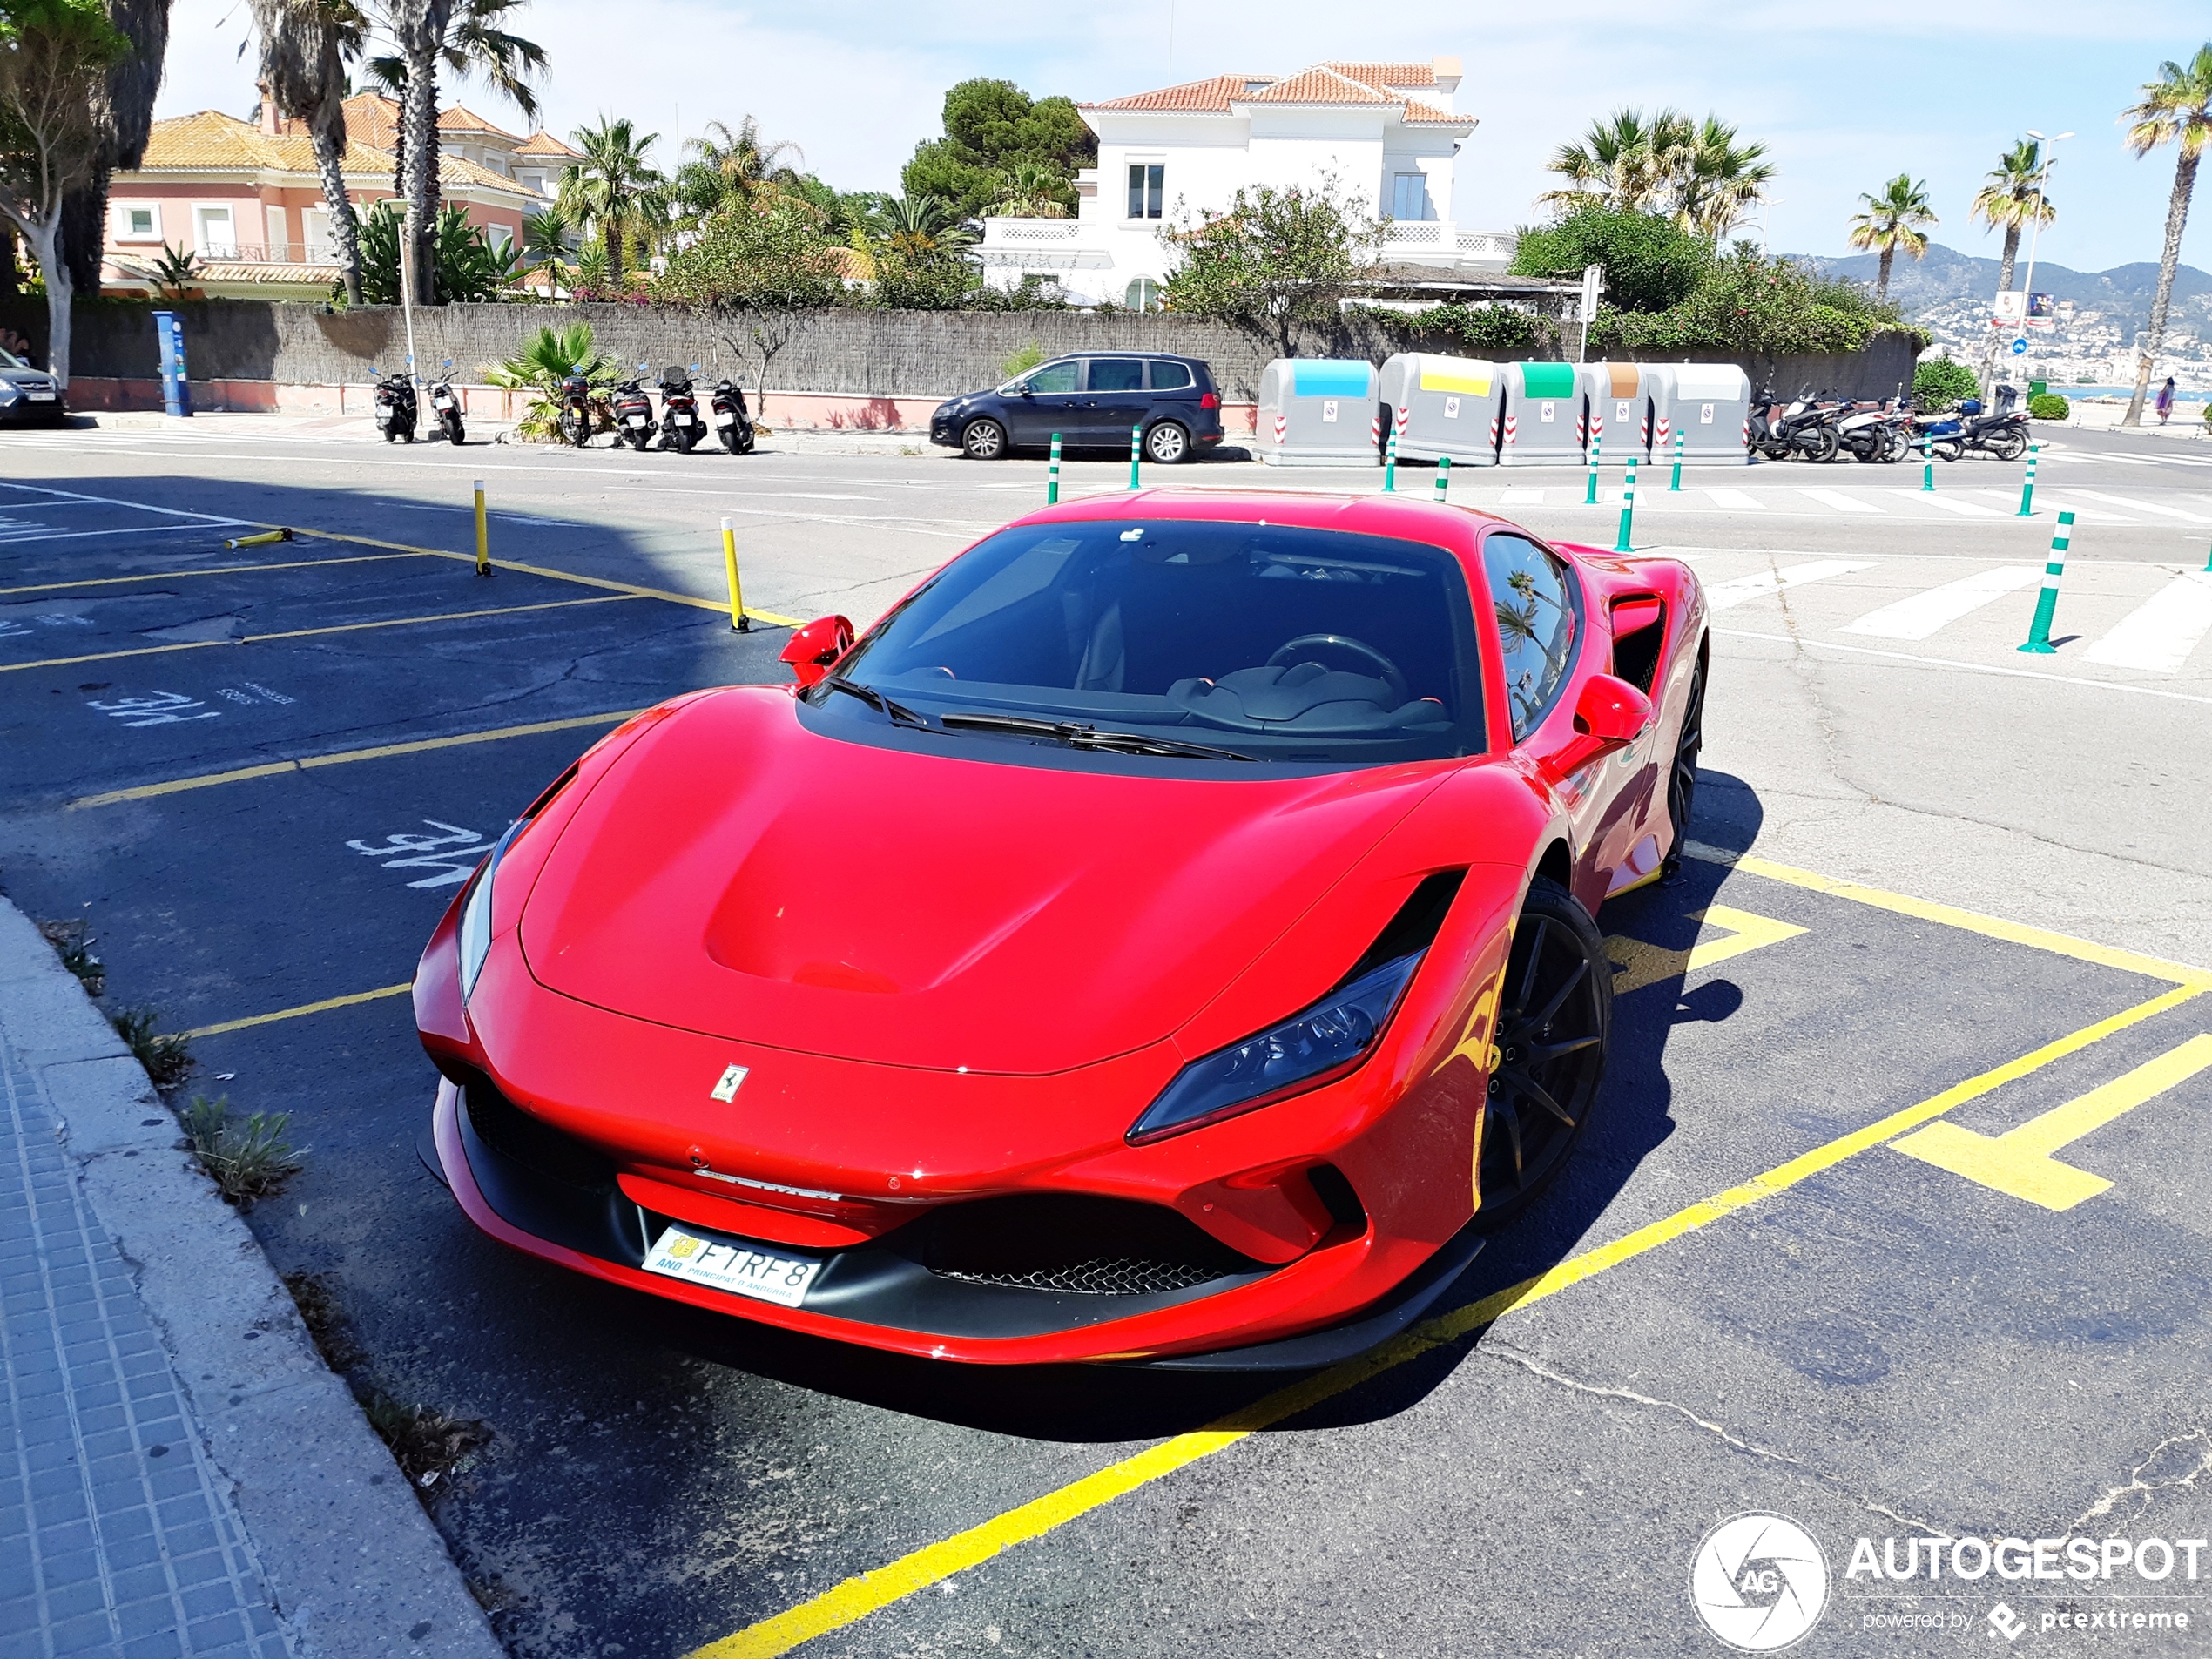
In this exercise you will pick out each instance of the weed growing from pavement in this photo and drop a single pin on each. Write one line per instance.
(248, 1158)
(75, 945)
(427, 1444)
(327, 1327)
(166, 1056)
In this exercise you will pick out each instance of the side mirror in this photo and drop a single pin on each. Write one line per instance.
(814, 650)
(1610, 715)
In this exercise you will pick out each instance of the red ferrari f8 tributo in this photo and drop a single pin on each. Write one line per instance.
(1165, 936)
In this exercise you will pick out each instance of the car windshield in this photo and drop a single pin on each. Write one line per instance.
(9, 360)
(1278, 645)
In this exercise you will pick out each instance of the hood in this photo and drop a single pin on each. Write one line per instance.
(737, 874)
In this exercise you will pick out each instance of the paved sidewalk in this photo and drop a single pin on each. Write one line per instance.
(183, 1477)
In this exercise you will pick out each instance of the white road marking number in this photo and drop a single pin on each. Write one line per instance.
(452, 855)
(160, 708)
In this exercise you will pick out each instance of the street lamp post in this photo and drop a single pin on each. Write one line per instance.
(2035, 220)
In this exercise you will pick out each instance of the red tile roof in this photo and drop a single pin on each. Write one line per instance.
(1388, 74)
(1212, 94)
(1332, 84)
(459, 118)
(213, 142)
(542, 143)
(1320, 85)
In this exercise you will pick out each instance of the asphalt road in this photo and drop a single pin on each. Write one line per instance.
(1860, 1338)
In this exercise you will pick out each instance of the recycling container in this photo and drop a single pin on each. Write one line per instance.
(1543, 415)
(1444, 406)
(1620, 407)
(1709, 403)
(1317, 412)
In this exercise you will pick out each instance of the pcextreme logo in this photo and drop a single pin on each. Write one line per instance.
(1758, 1582)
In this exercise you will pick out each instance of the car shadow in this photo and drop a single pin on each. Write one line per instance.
(1109, 1403)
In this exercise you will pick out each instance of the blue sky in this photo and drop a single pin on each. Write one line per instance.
(1845, 96)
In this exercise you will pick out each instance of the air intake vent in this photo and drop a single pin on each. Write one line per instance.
(1076, 1246)
(1415, 925)
(535, 1144)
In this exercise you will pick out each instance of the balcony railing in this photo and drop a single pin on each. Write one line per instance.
(1420, 241)
(1032, 233)
(266, 253)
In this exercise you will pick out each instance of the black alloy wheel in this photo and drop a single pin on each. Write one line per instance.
(1552, 1031)
(1682, 779)
(1167, 444)
(984, 441)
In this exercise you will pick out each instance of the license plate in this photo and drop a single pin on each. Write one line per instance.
(637, 420)
(40, 397)
(737, 1268)
(725, 418)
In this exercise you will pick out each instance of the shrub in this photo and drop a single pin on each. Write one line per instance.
(1483, 328)
(468, 267)
(246, 1160)
(1749, 302)
(2050, 406)
(166, 1056)
(1650, 262)
(1938, 383)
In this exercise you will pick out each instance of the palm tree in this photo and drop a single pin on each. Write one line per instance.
(1033, 191)
(1891, 221)
(740, 165)
(1621, 161)
(921, 228)
(607, 188)
(474, 44)
(1715, 180)
(2012, 198)
(124, 114)
(303, 51)
(2175, 109)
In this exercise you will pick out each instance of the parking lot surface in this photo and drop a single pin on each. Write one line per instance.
(1894, 1224)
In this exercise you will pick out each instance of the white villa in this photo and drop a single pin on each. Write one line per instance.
(1387, 132)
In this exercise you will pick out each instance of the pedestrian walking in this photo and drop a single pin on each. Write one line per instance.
(2166, 401)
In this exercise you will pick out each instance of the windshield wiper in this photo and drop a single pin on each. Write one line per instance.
(1088, 737)
(897, 713)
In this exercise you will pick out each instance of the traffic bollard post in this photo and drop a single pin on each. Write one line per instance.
(1677, 485)
(1052, 477)
(1597, 454)
(1443, 476)
(730, 569)
(262, 540)
(1627, 509)
(1390, 461)
(1135, 449)
(1927, 463)
(2027, 485)
(2046, 601)
(483, 535)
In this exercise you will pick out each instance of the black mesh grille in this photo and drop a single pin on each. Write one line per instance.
(1076, 1246)
(532, 1143)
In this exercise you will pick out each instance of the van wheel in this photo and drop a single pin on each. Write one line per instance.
(984, 441)
(1167, 444)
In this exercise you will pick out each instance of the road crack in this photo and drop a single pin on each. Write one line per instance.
(2198, 1438)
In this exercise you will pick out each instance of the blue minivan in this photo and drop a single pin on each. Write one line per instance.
(1091, 399)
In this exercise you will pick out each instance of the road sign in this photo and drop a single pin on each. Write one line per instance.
(2010, 311)
(2020, 345)
(1593, 286)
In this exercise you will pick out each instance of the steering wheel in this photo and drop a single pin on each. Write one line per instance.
(1288, 652)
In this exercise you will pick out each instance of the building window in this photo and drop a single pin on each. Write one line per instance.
(142, 224)
(501, 238)
(1147, 188)
(1142, 294)
(215, 232)
(1409, 197)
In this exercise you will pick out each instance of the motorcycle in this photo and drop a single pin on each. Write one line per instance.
(1873, 432)
(446, 405)
(395, 407)
(633, 407)
(732, 424)
(576, 407)
(1799, 430)
(2001, 432)
(680, 426)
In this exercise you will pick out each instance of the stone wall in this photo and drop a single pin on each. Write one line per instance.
(891, 354)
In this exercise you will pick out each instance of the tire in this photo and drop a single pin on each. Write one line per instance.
(1167, 444)
(2009, 445)
(983, 441)
(1682, 777)
(457, 432)
(1876, 451)
(1541, 1095)
(1948, 449)
(1826, 444)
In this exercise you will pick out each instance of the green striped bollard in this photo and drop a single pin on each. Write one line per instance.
(1927, 463)
(1443, 476)
(2027, 485)
(2046, 603)
(1675, 486)
(1390, 461)
(1135, 449)
(1627, 509)
(1597, 453)
(1052, 477)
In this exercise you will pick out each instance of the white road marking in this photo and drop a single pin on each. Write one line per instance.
(2159, 635)
(1804, 644)
(2141, 506)
(135, 506)
(1924, 613)
(2084, 516)
(1952, 504)
(1521, 496)
(1723, 596)
(1841, 503)
(1735, 501)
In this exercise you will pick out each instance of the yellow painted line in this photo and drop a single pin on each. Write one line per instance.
(323, 1007)
(1643, 964)
(2020, 1162)
(2014, 933)
(854, 1599)
(305, 633)
(345, 757)
(719, 606)
(218, 569)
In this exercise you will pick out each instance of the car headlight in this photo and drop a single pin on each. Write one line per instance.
(476, 915)
(1333, 1036)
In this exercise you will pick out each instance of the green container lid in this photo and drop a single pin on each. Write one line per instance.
(1547, 379)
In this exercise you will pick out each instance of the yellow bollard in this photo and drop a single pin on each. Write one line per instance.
(730, 568)
(262, 540)
(483, 535)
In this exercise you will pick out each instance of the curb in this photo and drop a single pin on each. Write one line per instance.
(356, 1568)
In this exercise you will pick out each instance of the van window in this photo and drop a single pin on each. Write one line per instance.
(1054, 377)
(1166, 376)
(1117, 374)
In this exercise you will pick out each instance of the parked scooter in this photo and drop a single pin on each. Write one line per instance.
(1868, 432)
(1798, 431)
(446, 405)
(732, 421)
(576, 407)
(395, 407)
(2001, 432)
(634, 421)
(680, 425)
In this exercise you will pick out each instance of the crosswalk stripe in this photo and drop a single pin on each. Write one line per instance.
(1723, 595)
(1924, 613)
(2159, 634)
(2143, 507)
(1521, 496)
(1841, 503)
(1735, 501)
(2083, 515)
(1952, 504)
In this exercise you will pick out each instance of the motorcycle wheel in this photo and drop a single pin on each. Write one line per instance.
(1895, 445)
(1948, 448)
(1825, 445)
(638, 441)
(2009, 445)
(745, 444)
(455, 432)
(1875, 451)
